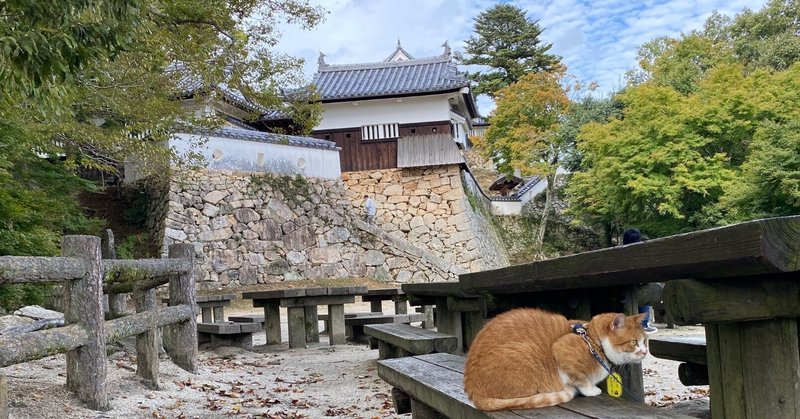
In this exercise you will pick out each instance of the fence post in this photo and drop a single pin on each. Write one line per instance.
(147, 343)
(181, 342)
(117, 303)
(83, 305)
(3, 396)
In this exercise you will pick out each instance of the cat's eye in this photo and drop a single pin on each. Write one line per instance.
(634, 343)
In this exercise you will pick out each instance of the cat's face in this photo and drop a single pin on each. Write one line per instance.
(625, 341)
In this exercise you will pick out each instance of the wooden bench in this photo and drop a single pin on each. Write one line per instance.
(227, 334)
(354, 326)
(689, 350)
(431, 386)
(398, 340)
(247, 318)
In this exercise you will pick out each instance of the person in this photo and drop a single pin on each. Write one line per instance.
(633, 235)
(370, 209)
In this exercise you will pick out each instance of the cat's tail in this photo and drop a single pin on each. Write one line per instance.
(489, 404)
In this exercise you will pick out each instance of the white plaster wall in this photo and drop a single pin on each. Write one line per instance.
(506, 207)
(242, 155)
(384, 111)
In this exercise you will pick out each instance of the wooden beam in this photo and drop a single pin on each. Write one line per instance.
(40, 269)
(181, 342)
(83, 305)
(756, 247)
(126, 275)
(753, 298)
(41, 343)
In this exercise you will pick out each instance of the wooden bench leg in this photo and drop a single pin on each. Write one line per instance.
(312, 324)
(272, 323)
(402, 403)
(428, 323)
(450, 322)
(206, 315)
(336, 330)
(401, 307)
(297, 327)
(376, 306)
(219, 314)
(420, 410)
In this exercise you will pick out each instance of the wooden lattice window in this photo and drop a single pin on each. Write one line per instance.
(380, 131)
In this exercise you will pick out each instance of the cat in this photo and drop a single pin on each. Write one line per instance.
(527, 358)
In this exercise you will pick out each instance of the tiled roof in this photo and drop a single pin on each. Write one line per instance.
(353, 81)
(265, 137)
(190, 83)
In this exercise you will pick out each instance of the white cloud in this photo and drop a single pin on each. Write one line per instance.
(597, 39)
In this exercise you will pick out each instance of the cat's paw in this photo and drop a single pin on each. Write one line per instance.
(590, 391)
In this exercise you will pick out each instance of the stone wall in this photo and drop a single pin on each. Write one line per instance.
(257, 228)
(428, 207)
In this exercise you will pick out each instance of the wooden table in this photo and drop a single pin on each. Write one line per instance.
(376, 297)
(212, 307)
(457, 312)
(741, 281)
(301, 306)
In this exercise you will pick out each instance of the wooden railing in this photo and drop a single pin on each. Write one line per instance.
(85, 277)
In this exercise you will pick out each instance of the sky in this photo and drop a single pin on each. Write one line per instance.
(597, 39)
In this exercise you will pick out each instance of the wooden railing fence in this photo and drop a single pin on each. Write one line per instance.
(86, 276)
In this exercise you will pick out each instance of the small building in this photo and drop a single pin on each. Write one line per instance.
(369, 109)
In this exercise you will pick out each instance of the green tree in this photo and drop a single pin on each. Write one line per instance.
(768, 38)
(508, 43)
(525, 132)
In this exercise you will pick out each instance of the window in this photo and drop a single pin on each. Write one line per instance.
(413, 130)
(327, 137)
(379, 132)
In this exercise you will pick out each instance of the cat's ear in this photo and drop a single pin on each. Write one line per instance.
(639, 318)
(619, 321)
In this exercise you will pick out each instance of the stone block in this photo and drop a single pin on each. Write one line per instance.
(177, 235)
(374, 257)
(214, 196)
(300, 239)
(295, 258)
(215, 235)
(246, 215)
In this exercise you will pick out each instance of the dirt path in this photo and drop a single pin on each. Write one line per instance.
(269, 382)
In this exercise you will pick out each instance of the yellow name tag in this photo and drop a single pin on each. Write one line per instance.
(613, 386)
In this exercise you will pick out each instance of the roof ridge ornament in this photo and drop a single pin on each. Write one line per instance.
(321, 60)
(446, 47)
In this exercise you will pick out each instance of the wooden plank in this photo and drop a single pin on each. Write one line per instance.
(436, 289)
(267, 295)
(317, 301)
(413, 339)
(385, 318)
(427, 150)
(679, 348)
(751, 298)
(756, 247)
(437, 381)
(714, 363)
(732, 389)
(353, 290)
(604, 406)
(147, 343)
(226, 328)
(770, 368)
(247, 318)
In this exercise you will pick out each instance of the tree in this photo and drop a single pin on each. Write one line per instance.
(507, 42)
(525, 132)
(769, 38)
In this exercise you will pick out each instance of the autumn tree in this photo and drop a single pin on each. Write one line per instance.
(525, 132)
(508, 43)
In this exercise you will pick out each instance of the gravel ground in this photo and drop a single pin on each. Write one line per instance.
(269, 382)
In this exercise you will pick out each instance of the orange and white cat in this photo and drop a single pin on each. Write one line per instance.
(527, 358)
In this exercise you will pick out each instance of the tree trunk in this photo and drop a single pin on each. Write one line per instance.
(548, 203)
